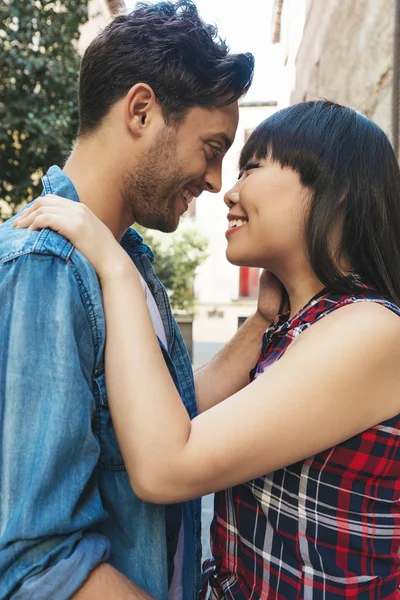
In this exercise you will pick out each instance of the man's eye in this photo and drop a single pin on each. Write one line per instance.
(213, 152)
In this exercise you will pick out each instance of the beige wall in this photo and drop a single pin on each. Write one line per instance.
(99, 15)
(290, 36)
(346, 55)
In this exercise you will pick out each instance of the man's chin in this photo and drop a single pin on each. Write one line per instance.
(169, 225)
(165, 226)
(169, 228)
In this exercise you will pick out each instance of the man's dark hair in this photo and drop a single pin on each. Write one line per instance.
(169, 47)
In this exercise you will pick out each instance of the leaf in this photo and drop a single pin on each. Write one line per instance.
(176, 261)
(38, 91)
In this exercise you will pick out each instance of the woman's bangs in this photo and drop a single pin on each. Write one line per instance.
(280, 139)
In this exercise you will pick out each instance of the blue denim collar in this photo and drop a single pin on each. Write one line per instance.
(133, 242)
(56, 182)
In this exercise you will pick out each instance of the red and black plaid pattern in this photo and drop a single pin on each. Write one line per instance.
(325, 528)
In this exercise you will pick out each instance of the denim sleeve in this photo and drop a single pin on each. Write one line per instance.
(49, 501)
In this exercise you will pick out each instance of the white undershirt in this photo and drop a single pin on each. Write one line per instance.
(154, 313)
(176, 589)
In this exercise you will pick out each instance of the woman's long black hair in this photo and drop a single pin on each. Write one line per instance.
(349, 164)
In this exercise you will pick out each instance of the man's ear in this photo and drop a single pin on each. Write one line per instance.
(141, 108)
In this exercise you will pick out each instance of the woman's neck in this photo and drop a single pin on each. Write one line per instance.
(301, 284)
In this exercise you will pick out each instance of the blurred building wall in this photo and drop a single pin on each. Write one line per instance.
(100, 13)
(346, 55)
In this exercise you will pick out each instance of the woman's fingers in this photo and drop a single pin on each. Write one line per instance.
(76, 222)
(74, 217)
(56, 221)
(27, 219)
(63, 219)
(51, 200)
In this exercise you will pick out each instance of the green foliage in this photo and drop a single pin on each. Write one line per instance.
(177, 256)
(39, 67)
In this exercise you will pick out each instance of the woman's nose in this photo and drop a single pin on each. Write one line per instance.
(231, 197)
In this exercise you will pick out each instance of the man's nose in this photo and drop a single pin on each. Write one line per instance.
(213, 179)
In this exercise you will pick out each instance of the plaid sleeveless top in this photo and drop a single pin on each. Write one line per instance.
(325, 528)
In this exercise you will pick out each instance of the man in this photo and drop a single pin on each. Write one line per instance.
(158, 111)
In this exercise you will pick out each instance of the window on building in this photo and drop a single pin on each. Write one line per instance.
(241, 320)
(247, 134)
(248, 282)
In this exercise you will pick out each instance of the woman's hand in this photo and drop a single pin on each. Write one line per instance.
(272, 297)
(76, 222)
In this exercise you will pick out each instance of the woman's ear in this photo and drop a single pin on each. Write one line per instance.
(141, 108)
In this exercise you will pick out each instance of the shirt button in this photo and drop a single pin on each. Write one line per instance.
(170, 535)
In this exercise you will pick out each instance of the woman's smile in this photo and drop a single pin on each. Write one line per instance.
(235, 224)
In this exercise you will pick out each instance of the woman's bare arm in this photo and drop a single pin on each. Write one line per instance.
(105, 583)
(337, 379)
(332, 384)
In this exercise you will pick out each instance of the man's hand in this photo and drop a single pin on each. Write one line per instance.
(272, 297)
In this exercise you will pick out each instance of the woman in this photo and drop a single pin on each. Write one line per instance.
(315, 435)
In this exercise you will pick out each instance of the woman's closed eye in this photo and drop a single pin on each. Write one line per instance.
(248, 168)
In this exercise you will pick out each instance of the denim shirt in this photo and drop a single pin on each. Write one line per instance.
(66, 504)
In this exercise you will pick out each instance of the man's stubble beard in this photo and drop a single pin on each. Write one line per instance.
(150, 193)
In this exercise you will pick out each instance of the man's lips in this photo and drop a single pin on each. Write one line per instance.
(186, 197)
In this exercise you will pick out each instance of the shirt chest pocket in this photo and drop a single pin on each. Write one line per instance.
(110, 455)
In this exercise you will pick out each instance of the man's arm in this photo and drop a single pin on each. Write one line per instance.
(229, 371)
(50, 506)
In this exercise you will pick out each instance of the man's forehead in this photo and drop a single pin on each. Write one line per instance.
(218, 123)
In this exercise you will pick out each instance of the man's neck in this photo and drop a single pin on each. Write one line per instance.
(95, 174)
